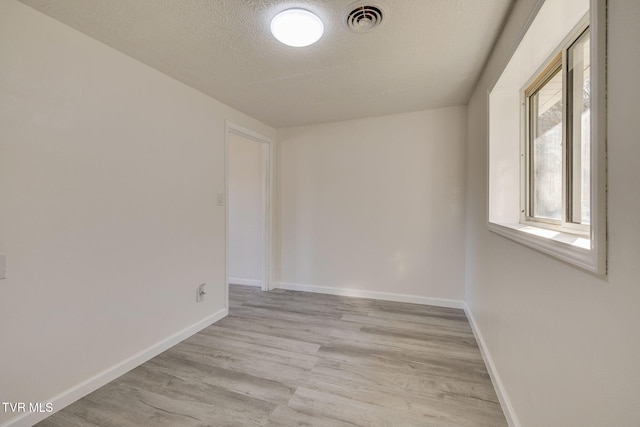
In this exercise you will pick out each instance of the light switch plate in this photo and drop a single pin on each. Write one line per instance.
(220, 199)
(3, 266)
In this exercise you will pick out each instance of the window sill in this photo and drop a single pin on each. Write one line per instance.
(572, 248)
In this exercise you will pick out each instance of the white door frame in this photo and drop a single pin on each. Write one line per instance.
(267, 187)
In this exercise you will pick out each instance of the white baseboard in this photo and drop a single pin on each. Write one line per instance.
(505, 402)
(91, 384)
(385, 296)
(245, 282)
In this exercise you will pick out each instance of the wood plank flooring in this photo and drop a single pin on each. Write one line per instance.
(285, 358)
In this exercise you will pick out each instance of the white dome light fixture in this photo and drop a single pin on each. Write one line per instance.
(297, 27)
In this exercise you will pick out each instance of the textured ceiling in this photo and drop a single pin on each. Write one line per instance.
(426, 54)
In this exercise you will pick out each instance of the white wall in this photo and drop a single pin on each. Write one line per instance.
(375, 205)
(246, 210)
(564, 342)
(108, 178)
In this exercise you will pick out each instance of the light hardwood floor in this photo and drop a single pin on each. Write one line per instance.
(286, 358)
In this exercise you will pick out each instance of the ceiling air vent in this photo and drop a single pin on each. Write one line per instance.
(363, 17)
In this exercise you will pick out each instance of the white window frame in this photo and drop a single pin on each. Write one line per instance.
(507, 199)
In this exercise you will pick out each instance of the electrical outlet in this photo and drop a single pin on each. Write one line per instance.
(201, 292)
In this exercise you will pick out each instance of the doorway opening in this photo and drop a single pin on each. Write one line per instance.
(248, 195)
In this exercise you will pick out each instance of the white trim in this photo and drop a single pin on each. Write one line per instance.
(559, 245)
(267, 183)
(95, 382)
(226, 215)
(598, 28)
(501, 391)
(385, 296)
(245, 282)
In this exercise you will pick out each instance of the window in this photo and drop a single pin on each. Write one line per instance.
(547, 136)
(557, 141)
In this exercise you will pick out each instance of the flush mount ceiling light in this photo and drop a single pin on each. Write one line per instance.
(297, 27)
